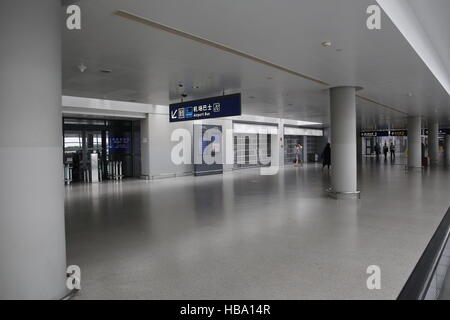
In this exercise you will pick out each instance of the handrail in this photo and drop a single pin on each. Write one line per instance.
(418, 284)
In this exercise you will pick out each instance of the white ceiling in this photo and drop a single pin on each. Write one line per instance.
(434, 17)
(148, 64)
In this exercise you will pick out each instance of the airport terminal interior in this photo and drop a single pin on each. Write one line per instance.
(229, 150)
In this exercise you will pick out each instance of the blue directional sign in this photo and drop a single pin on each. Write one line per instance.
(119, 143)
(216, 107)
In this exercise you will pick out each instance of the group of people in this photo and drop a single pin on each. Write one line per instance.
(386, 150)
(326, 156)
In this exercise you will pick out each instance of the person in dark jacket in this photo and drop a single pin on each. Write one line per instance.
(377, 150)
(385, 150)
(392, 149)
(326, 155)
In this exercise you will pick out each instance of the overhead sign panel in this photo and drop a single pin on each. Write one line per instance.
(374, 134)
(398, 133)
(216, 107)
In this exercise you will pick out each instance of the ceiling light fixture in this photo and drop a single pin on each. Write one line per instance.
(326, 44)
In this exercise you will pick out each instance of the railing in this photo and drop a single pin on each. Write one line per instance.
(427, 279)
(115, 170)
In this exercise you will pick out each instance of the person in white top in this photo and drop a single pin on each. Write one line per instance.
(298, 154)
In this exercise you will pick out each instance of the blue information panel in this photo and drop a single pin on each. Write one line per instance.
(119, 143)
(216, 107)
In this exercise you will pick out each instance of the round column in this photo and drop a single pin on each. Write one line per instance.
(447, 150)
(343, 143)
(433, 142)
(359, 149)
(32, 235)
(414, 142)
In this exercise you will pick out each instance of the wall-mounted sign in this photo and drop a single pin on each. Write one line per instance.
(216, 107)
(119, 143)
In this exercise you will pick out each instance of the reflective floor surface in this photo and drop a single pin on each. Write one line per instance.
(245, 236)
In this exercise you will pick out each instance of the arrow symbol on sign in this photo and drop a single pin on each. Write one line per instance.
(174, 114)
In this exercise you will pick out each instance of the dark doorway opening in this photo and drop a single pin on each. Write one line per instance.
(112, 141)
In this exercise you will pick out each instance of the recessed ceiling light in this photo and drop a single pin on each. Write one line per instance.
(409, 94)
(326, 44)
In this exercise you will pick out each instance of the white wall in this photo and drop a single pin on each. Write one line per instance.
(156, 147)
(156, 130)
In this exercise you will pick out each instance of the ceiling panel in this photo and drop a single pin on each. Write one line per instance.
(149, 64)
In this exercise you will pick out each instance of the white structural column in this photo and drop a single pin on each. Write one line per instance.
(343, 143)
(32, 235)
(447, 150)
(145, 148)
(280, 143)
(358, 144)
(414, 142)
(433, 142)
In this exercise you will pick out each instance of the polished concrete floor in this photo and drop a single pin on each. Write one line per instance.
(245, 236)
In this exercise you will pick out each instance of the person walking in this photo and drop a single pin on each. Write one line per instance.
(385, 150)
(326, 156)
(392, 149)
(298, 154)
(377, 150)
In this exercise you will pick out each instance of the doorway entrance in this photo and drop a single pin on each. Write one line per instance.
(113, 143)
